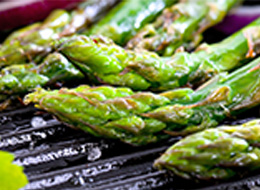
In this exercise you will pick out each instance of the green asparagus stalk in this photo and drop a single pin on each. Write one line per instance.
(146, 117)
(215, 154)
(94, 115)
(87, 13)
(34, 42)
(181, 24)
(128, 17)
(223, 96)
(141, 70)
(20, 79)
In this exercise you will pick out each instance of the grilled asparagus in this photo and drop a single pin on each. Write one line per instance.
(128, 17)
(219, 153)
(33, 42)
(141, 70)
(146, 117)
(181, 24)
(17, 80)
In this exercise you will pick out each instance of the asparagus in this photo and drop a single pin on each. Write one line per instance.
(219, 153)
(128, 17)
(33, 42)
(181, 24)
(141, 70)
(145, 117)
(20, 79)
(87, 13)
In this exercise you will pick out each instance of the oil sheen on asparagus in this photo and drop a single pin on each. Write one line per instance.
(145, 117)
(16, 80)
(128, 17)
(141, 70)
(181, 25)
(34, 42)
(215, 154)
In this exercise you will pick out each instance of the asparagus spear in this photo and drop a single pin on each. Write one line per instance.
(221, 97)
(141, 70)
(20, 79)
(220, 153)
(33, 42)
(181, 24)
(128, 17)
(146, 117)
(87, 13)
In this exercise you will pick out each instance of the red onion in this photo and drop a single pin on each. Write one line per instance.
(239, 18)
(30, 12)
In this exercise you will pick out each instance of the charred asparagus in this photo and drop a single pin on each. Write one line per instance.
(181, 24)
(143, 117)
(141, 70)
(219, 153)
(17, 80)
(128, 17)
(34, 42)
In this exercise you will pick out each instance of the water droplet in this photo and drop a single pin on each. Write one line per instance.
(31, 145)
(94, 154)
(4, 119)
(38, 122)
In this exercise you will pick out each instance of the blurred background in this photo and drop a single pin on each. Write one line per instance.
(18, 13)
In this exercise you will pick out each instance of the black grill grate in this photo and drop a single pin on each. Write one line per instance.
(57, 157)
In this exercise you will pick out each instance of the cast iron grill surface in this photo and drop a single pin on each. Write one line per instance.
(58, 157)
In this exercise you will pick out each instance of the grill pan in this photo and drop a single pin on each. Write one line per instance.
(58, 157)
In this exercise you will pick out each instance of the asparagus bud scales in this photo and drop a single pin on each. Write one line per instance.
(87, 13)
(141, 70)
(35, 41)
(20, 79)
(227, 97)
(40, 34)
(141, 117)
(205, 63)
(128, 17)
(219, 153)
(181, 24)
